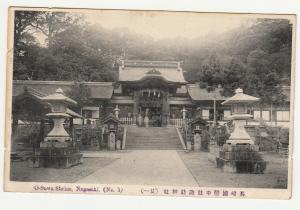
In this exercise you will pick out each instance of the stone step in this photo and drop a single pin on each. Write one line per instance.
(153, 138)
(152, 143)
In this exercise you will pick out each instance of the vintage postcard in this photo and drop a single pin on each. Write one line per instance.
(155, 103)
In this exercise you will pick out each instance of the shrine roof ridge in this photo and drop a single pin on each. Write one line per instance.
(150, 64)
(65, 82)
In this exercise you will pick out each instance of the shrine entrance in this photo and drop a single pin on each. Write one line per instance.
(150, 95)
(151, 110)
(150, 103)
(154, 114)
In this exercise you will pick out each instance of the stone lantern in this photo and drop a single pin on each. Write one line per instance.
(239, 153)
(239, 103)
(199, 127)
(57, 150)
(183, 113)
(112, 124)
(59, 103)
(117, 111)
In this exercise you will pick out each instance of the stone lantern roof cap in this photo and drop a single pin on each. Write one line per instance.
(198, 120)
(111, 117)
(240, 97)
(59, 96)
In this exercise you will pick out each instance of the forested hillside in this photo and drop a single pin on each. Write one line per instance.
(64, 46)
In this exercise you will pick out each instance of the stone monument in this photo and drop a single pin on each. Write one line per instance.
(112, 124)
(199, 127)
(140, 119)
(197, 141)
(146, 119)
(57, 150)
(239, 154)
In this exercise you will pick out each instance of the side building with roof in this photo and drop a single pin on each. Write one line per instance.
(156, 89)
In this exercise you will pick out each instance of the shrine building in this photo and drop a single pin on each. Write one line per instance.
(151, 93)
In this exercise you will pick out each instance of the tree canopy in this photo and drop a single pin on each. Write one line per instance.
(64, 46)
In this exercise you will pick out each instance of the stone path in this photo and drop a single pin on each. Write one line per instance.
(144, 167)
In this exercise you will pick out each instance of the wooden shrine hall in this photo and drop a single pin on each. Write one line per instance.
(150, 93)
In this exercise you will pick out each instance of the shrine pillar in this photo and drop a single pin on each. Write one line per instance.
(135, 107)
(165, 109)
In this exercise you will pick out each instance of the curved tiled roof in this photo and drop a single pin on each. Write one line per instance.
(202, 94)
(98, 90)
(240, 97)
(58, 96)
(169, 71)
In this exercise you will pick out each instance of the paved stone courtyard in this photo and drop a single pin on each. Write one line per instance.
(145, 167)
(156, 167)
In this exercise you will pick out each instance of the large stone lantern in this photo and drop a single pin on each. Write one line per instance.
(59, 103)
(239, 153)
(239, 104)
(57, 150)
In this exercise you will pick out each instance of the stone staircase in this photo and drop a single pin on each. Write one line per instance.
(152, 138)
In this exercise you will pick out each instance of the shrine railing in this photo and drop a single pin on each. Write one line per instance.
(179, 122)
(126, 120)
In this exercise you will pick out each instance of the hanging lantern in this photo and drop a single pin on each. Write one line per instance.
(158, 95)
(154, 93)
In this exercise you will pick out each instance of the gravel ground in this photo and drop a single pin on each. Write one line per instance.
(156, 167)
(203, 167)
(21, 172)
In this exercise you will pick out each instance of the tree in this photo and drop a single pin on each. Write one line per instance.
(255, 57)
(52, 23)
(80, 93)
(22, 30)
(235, 77)
(79, 59)
(25, 44)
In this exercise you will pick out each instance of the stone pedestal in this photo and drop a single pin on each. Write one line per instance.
(134, 119)
(197, 142)
(112, 141)
(205, 143)
(56, 155)
(240, 135)
(118, 145)
(140, 120)
(188, 146)
(241, 159)
(146, 121)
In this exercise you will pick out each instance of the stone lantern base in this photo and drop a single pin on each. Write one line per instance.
(55, 154)
(241, 158)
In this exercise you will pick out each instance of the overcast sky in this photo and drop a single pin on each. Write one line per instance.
(167, 24)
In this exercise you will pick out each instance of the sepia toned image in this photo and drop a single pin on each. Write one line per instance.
(150, 103)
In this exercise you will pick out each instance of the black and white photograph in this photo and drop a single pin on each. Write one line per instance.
(140, 102)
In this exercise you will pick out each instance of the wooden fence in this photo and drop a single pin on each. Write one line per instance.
(179, 122)
(126, 120)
